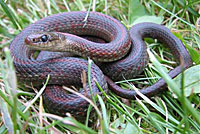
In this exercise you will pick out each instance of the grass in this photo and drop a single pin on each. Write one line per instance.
(161, 114)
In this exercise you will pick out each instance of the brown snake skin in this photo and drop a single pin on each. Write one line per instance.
(68, 70)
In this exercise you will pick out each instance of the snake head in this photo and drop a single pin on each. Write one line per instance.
(43, 40)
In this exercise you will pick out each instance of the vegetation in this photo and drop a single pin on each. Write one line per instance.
(22, 110)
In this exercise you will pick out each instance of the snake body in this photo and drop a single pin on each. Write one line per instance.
(67, 70)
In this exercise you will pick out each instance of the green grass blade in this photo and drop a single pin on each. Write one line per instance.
(173, 86)
(6, 116)
(11, 15)
(172, 14)
(53, 3)
(104, 120)
(80, 5)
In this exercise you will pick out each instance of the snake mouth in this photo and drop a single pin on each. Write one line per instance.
(28, 41)
(34, 41)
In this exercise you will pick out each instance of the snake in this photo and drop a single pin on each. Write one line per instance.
(122, 55)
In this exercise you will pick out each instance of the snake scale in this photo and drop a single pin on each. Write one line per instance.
(122, 55)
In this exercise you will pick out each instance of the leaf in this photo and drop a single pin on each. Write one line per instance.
(192, 80)
(197, 40)
(195, 55)
(135, 10)
(130, 129)
(153, 19)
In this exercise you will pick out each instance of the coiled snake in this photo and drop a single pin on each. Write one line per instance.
(123, 55)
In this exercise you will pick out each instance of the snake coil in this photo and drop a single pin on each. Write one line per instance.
(68, 70)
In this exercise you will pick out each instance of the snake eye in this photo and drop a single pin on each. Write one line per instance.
(44, 38)
(34, 40)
